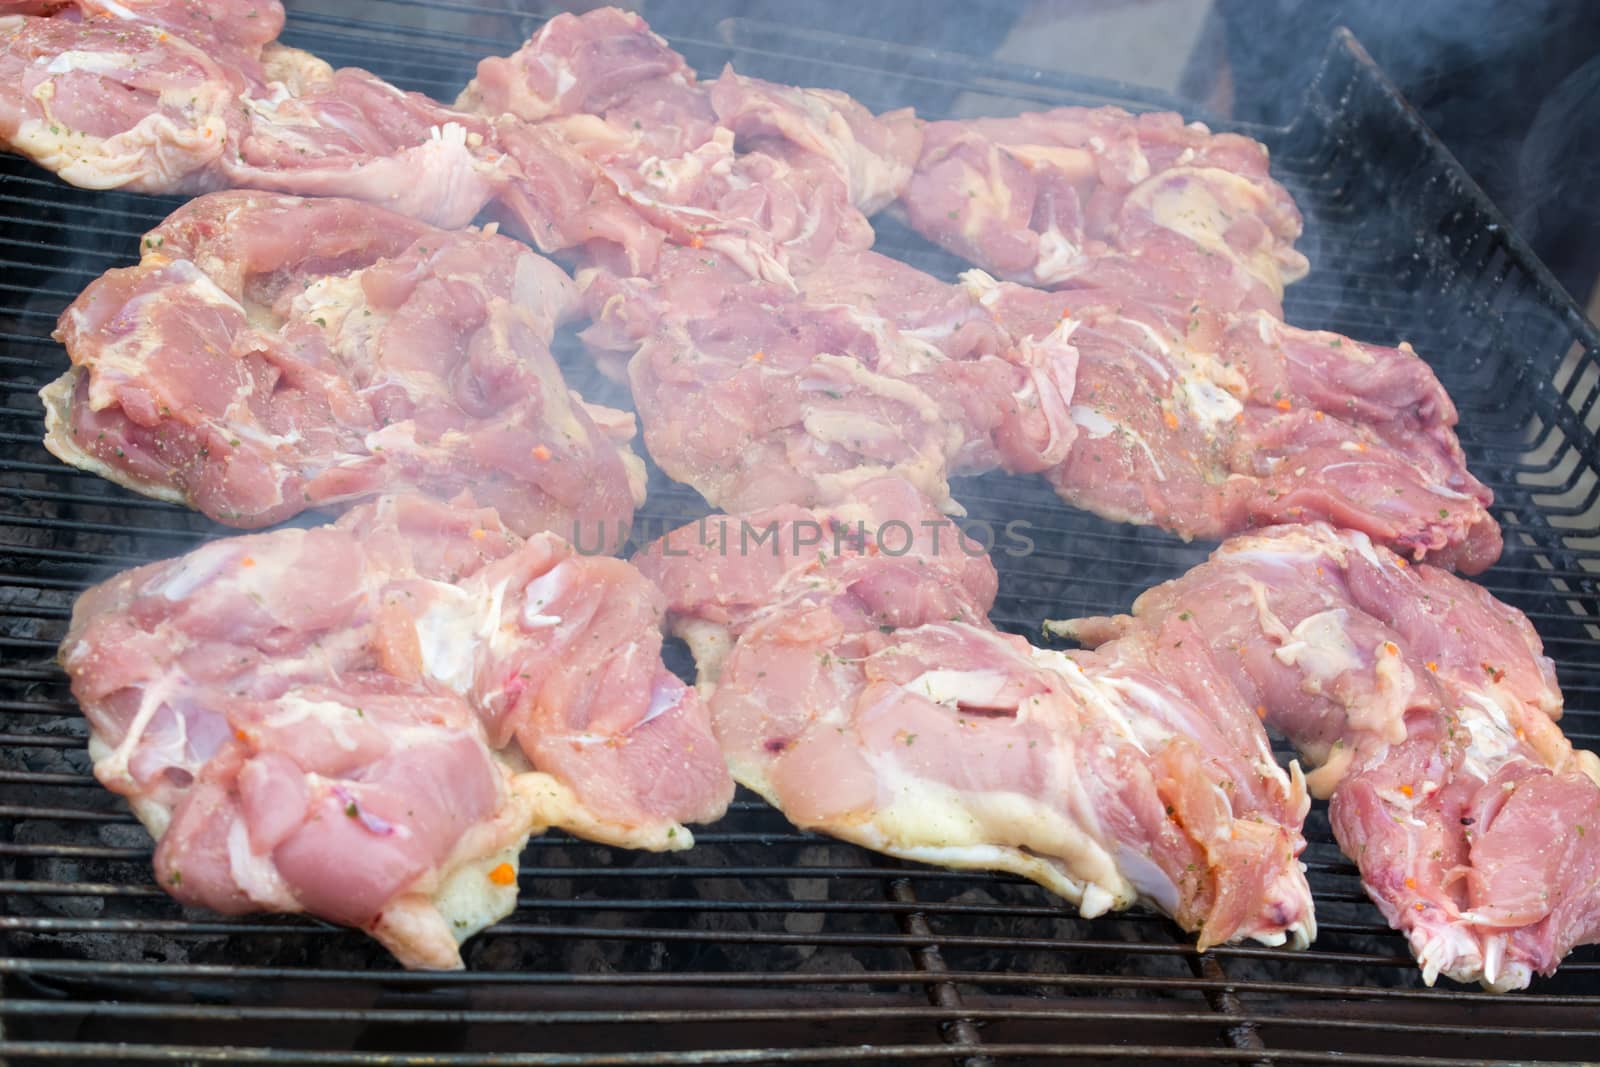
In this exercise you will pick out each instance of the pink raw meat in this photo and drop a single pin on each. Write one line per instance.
(1087, 197)
(856, 682)
(758, 394)
(271, 354)
(1207, 423)
(319, 720)
(1429, 710)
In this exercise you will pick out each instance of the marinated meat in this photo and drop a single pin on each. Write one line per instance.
(108, 103)
(1077, 197)
(603, 117)
(874, 155)
(855, 681)
(1429, 710)
(319, 720)
(271, 354)
(172, 96)
(316, 131)
(1207, 423)
(756, 394)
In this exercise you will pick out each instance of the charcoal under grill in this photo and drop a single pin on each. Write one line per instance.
(762, 944)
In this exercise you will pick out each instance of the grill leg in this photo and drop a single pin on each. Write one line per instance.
(961, 1032)
(1242, 1035)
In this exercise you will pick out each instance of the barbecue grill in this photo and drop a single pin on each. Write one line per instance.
(763, 944)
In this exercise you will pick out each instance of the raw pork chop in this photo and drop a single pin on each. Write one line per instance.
(756, 394)
(1207, 423)
(271, 354)
(855, 682)
(1430, 711)
(1080, 197)
(306, 720)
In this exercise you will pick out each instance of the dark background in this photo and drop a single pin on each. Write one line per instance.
(1511, 86)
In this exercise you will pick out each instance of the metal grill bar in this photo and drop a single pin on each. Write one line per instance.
(1093, 1053)
(242, 974)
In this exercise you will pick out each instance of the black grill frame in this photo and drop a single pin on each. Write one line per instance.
(766, 945)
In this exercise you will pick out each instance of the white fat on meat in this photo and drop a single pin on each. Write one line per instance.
(943, 741)
(238, 715)
(1426, 706)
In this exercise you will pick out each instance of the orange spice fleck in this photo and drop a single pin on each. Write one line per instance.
(1420, 906)
(1066, 313)
(697, 241)
(1391, 648)
(1171, 419)
(1406, 790)
(760, 355)
(479, 534)
(1239, 417)
(247, 561)
(241, 735)
(1319, 416)
(1284, 404)
(541, 452)
(1411, 883)
(1433, 665)
(1401, 561)
(1261, 711)
(505, 874)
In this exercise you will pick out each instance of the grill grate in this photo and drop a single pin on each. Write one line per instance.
(763, 944)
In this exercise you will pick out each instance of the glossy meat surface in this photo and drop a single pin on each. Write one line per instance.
(173, 96)
(855, 681)
(757, 393)
(1208, 423)
(622, 149)
(1428, 708)
(323, 720)
(271, 354)
(1076, 196)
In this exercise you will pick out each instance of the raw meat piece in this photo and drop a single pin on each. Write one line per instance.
(1044, 198)
(1207, 423)
(271, 354)
(565, 201)
(305, 719)
(605, 63)
(874, 155)
(172, 97)
(108, 103)
(582, 107)
(855, 681)
(756, 394)
(772, 219)
(1429, 710)
(605, 120)
(245, 24)
(315, 131)
(775, 220)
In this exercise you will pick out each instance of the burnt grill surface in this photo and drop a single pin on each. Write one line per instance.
(762, 944)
